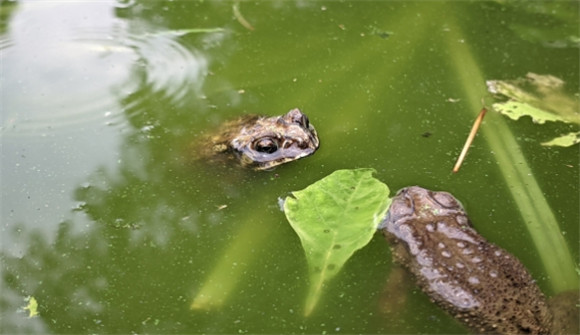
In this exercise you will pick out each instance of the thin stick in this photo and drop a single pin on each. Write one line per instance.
(469, 139)
(238, 15)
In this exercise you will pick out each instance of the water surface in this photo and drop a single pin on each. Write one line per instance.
(112, 228)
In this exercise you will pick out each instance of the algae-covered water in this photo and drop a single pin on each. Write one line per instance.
(108, 224)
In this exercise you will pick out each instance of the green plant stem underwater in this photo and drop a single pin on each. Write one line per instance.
(533, 206)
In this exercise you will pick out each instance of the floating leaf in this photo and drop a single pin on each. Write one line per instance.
(32, 307)
(564, 140)
(334, 217)
(541, 97)
(514, 110)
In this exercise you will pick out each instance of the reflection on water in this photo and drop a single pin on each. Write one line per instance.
(75, 81)
(55, 81)
(69, 64)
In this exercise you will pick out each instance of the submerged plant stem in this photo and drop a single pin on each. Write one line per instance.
(230, 269)
(529, 198)
(238, 15)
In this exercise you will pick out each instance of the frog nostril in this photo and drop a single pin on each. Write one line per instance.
(305, 122)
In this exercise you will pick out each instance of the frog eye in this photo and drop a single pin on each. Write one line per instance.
(266, 145)
(446, 200)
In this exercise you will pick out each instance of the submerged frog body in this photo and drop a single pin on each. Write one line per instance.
(261, 142)
(479, 283)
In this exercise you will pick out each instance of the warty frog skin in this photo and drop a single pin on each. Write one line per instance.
(477, 282)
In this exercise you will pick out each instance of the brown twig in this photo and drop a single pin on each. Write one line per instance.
(469, 139)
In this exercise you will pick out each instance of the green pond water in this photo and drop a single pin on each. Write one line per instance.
(112, 228)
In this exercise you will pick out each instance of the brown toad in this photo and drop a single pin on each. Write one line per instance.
(479, 283)
(261, 142)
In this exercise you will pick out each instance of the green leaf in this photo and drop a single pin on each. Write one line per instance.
(334, 217)
(31, 307)
(542, 97)
(567, 140)
(514, 110)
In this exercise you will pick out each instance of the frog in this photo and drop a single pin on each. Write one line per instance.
(261, 142)
(480, 284)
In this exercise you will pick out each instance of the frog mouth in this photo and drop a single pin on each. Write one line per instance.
(401, 208)
(289, 150)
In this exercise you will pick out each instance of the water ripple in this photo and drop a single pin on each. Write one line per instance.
(170, 67)
(84, 76)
